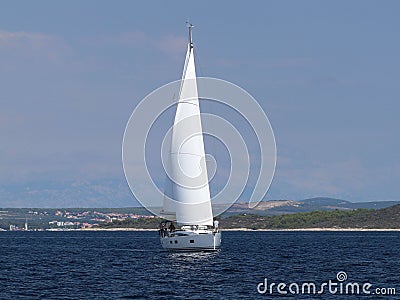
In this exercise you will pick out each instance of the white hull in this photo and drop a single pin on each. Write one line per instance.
(195, 240)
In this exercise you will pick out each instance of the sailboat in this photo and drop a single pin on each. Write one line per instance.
(188, 200)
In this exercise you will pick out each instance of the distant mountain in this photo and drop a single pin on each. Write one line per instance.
(57, 194)
(325, 201)
(374, 204)
(332, 203)
(280, 207)
(115, 193)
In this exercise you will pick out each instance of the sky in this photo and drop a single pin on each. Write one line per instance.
(71, 73)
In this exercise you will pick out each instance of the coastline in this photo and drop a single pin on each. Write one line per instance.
(118, 229)
(315, 229)
(248, 229)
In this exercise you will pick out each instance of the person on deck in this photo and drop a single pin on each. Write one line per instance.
(216, 224)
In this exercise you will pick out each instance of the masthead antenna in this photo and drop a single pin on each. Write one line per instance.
(190, 26)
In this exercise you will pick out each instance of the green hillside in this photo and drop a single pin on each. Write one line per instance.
(386, 218)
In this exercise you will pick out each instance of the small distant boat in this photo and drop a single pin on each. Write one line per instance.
(188, 202)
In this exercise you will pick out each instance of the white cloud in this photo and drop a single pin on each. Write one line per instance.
(172, 44)
(169, 44)
(8, 38)
(135, 39)
(31, 46)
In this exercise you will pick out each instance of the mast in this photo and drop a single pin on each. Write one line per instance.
(190, 26)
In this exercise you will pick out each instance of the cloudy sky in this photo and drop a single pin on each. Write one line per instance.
(71, 72)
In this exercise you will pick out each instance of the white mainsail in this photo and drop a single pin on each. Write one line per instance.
(188, 171)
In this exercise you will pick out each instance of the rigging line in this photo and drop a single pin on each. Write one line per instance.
(216, 168)
(199, 64)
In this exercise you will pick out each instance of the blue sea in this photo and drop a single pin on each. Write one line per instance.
(132, 265)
